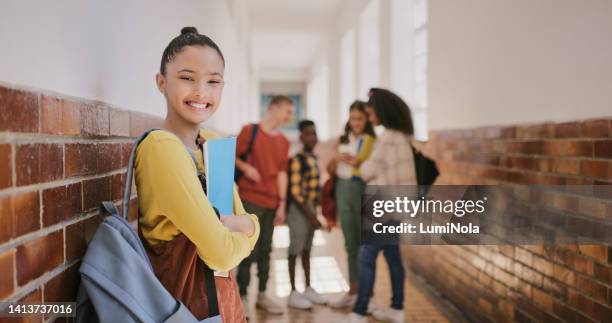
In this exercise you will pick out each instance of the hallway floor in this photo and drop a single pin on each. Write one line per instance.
(328, 263)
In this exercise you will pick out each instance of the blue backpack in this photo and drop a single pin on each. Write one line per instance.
(117, 279)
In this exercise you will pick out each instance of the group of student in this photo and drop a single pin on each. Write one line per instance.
(361, 158)
(184, 235)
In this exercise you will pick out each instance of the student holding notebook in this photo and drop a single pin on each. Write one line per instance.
(179, 227)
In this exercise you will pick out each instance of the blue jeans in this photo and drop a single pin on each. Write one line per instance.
(367, 275)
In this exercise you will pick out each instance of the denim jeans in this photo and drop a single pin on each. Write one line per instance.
(367, 274)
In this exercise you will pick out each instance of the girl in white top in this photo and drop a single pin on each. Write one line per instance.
(391, 163)
(353, 148)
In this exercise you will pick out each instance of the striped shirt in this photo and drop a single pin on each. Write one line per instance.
(391, 161)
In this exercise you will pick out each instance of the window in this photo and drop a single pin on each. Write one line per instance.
(420, 69)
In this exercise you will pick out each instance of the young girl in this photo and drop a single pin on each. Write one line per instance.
(391, 163)
(354, 147)
(180, 229)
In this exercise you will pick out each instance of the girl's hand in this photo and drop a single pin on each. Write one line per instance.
(238, 223)
(353, 161)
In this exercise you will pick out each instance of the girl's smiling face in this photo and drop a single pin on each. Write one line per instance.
(357, 121)
(193, 84)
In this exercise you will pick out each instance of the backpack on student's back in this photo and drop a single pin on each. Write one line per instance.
(426, 170)
(118, 283)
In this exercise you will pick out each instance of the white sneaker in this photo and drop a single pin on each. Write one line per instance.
(245, 306)
(268, 305)
(371, 306)
(346, 300)
(314, 296)
(389, 315)
(356, 318)
(299, 301)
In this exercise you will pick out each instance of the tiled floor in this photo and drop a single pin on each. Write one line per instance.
(328, 271)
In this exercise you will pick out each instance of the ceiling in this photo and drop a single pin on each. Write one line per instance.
(285, 35)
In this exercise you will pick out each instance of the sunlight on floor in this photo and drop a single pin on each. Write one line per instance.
(325, 276)
(280, 239)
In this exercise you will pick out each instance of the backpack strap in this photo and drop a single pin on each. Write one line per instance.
(127, 193)
(252, 140)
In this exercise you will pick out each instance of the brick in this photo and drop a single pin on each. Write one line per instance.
(508, 132)
(96, 191)
(603, 149)
(77, 237)
(27, 164)
(564, 275)
(126, 150)
(564, 311)
(580, 302)
(35, 297)
(592, 207)
(61, 203)
(542, 299)
(51, 162)
(63, 287)
(568, 148)
(603, 273)
(117, 186)
(140, 122)
(36, 257)
(567, 166)
(601, 312)
(38, 163)
(81, 159)
(567, 130)
(535, 131)
(7, 219)
(595, 168)
(76, 243)
(119, 123)
(18, 110)
(525, 163)
(6, 279)
(543, 266)
(596, 128)
(60, 116)
(133, 209)
(6, 166)
(94, 121)
(566, 202)
(592, 288)
(526, 147)
(109, 157)
(599, 252)
(26, 210)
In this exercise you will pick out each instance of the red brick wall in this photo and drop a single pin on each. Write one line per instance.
(59, 158)
(562, 283)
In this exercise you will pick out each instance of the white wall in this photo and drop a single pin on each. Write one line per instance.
(522, 61)
(111, 50)
(328, 58)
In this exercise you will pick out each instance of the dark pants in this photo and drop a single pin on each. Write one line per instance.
(367, 274)
(262, 250)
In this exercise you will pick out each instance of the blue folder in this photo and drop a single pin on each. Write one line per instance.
(220, 158)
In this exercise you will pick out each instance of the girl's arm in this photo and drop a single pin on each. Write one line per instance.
(167, 181)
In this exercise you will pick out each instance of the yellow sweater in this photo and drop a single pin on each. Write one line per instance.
(171, 202)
